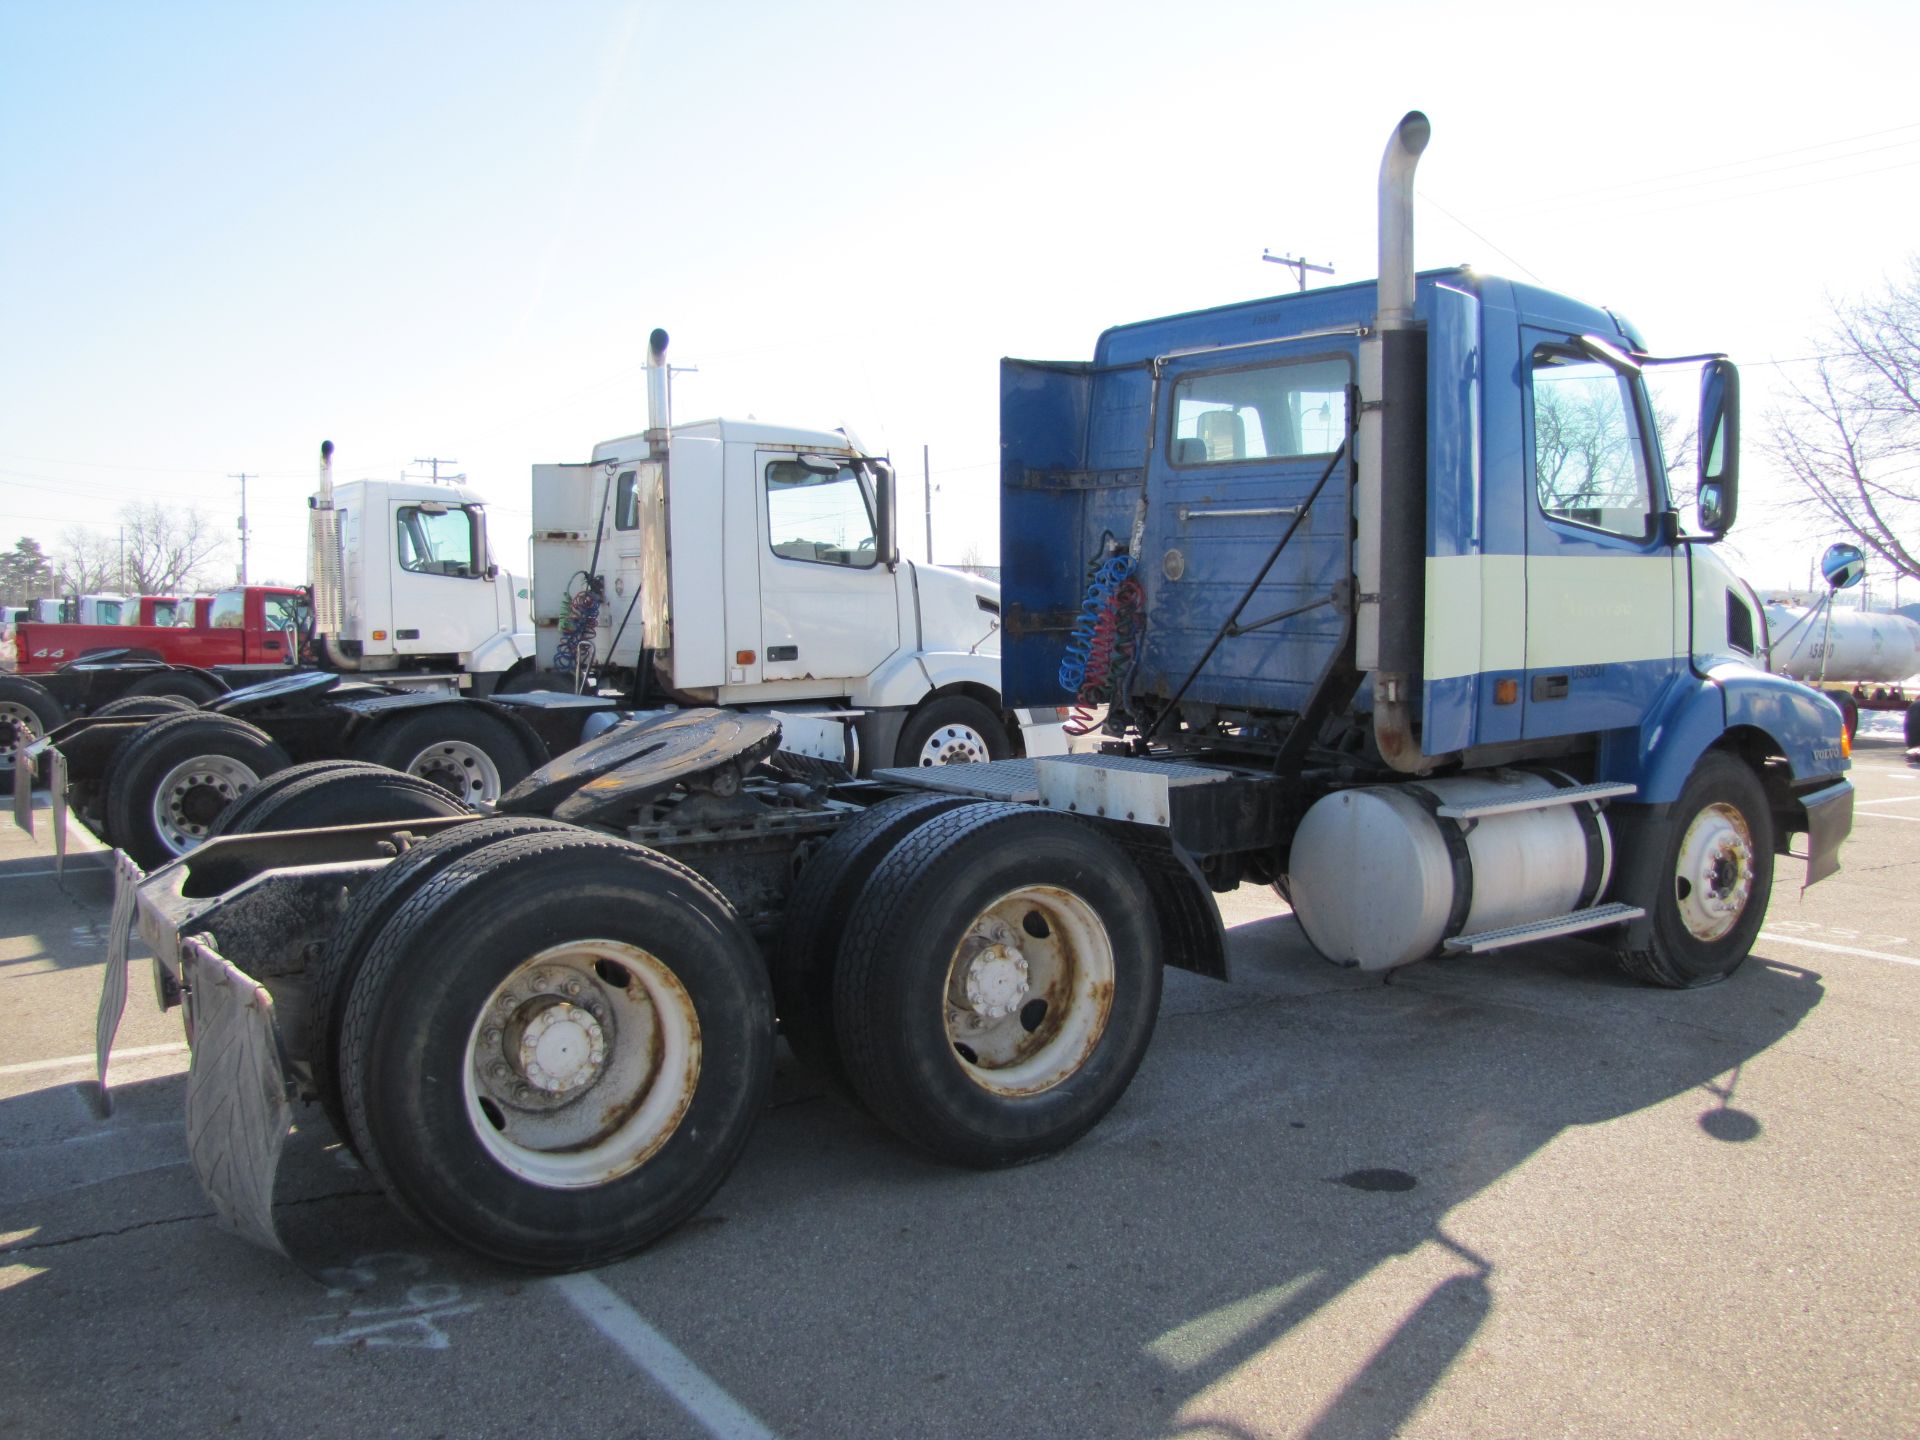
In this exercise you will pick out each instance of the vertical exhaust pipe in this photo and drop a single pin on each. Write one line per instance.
(1403, 153)
(659, 416)
(1391, 499)
(325, 563)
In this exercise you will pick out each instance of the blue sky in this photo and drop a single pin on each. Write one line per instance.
(231, 230)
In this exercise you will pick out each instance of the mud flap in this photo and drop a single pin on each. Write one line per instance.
(57, 797)
(239, 1101)
(113, 986)
(1829, 821)
(25, 758)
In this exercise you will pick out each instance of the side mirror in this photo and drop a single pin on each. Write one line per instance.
(883, 504)
(1844, 565)
(1719, 446)
(482, 567)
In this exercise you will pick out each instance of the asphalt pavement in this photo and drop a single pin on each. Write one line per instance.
(1512, 1195)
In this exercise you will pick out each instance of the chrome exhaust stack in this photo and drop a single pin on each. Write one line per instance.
(659, 415)
(1391, 499)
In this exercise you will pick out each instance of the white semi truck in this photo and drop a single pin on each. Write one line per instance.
(724, 563)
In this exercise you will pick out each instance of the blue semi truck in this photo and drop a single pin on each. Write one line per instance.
(1375, 594)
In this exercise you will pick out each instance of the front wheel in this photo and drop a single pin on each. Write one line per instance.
(1707, 896)
(952, 730)
(998, 984)
(586, 1074)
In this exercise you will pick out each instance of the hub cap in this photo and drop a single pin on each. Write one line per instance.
(581, 1064)
(1714, 878)
(1029, 990)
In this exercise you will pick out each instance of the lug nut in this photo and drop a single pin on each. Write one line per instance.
(573, 987)
(493, 1037)
(498, 1070)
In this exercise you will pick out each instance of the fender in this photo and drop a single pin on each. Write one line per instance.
(1698, 711)
(499, 653)
(910, 677)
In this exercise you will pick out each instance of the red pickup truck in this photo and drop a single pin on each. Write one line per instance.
(249, 625)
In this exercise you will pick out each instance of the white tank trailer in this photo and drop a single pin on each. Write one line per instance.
(1864, 659)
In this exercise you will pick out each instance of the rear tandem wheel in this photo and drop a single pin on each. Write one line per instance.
(585, 1077)
(998, 984)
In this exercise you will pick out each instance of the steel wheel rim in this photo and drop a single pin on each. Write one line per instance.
(192, 793)
(12, 712)
(582, 1064)
(460, 768)
(1037, 946)
(954, 744)
(1713, 880)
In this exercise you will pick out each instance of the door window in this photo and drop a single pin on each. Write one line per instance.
(626, 502)
(1589, 451)
(435, 540)
(819, 516)
(1264, 413)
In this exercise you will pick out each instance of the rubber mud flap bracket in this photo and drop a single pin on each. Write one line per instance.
(113, 986)
(239, 1103)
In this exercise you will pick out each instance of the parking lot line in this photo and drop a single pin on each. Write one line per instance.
(86, 1062)
(715, 1411)
(1837, 949)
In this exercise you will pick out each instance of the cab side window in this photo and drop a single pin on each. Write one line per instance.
(434, 539)
(1589, 449)
(822, 518)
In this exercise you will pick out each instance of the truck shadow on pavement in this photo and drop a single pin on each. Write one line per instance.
(1278, 1230)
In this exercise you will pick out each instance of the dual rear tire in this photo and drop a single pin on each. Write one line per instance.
(585, 1076)
(550, 1045)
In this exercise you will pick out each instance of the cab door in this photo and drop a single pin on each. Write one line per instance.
(442, 600)
(1600, 564)
(828, 607)
(1244, 435)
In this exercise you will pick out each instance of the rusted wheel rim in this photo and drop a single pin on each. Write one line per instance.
(461, 769)
(581, 1064)
(954, 745)
(192, 793)
(1714, 878)
(1029, 989)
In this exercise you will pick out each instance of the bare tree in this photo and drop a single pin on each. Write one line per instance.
(1851, 435)
(170, 551)
(86, 561)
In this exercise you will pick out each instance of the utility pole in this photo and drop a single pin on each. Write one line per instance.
(926, 476)
(243, 477)
(121, 586)
(436, 462)
(1299, 267)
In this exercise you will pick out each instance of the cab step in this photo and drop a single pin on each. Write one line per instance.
(1551, 928)
(1536, 800)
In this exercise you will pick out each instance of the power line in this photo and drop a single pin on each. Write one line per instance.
(1477, 235)
(1590, 190)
